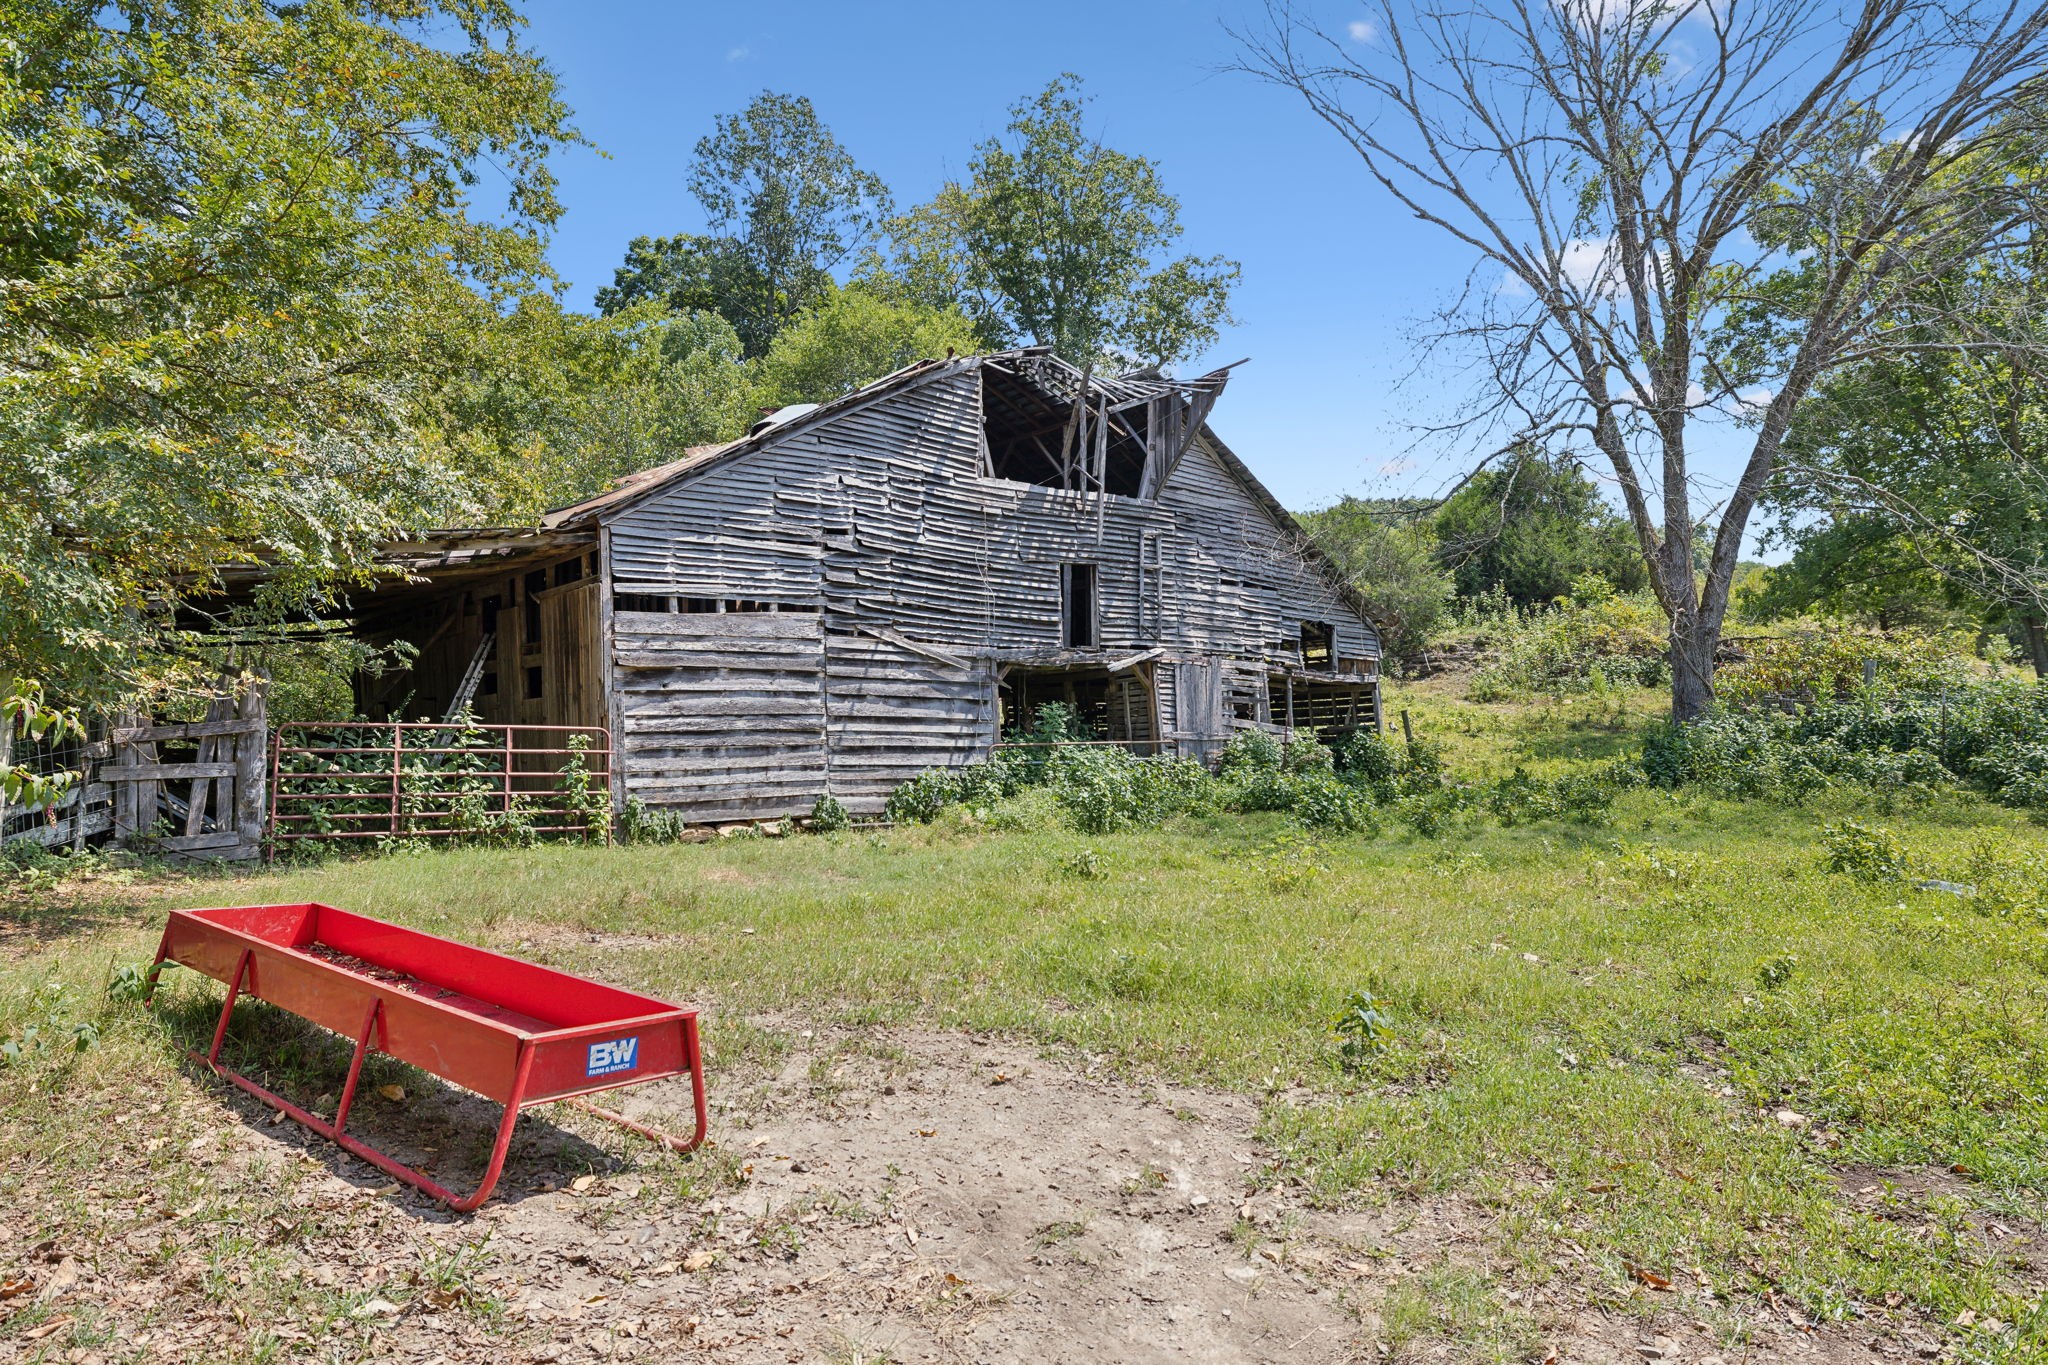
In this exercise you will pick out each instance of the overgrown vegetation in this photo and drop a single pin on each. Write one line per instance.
(1352, 788)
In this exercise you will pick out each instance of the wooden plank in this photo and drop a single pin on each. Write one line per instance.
(159, 772)
(252, 753)
(188, 843)
(211, 729)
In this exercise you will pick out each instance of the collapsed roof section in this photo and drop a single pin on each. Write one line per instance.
(1051, 424)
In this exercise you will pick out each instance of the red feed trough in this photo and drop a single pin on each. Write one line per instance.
(509, 1030)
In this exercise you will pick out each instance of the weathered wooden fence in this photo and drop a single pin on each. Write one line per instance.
(210, 805)
(194, 789)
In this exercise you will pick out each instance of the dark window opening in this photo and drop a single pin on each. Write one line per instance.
(1077, 606)
(489, 685)
(1031, 438)
(469, 604)
(490, 617)
(568, 571)
(1318, 644)
(533, 688)
(639, 601)
(697, 605)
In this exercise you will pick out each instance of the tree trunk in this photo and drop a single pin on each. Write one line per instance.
(1693, 642)
(2037, 645)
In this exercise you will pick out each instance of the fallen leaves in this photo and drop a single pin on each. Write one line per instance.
(62, 1280)
(1650, 1278)
(394, 1093)
(48, 1329)
(14, 1289)
(699, 1260)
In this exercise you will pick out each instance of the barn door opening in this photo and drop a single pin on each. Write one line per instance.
(1107, 708)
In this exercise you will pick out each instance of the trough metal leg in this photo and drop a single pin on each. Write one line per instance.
(693, 1053)
(156, 967)
(372, 1020)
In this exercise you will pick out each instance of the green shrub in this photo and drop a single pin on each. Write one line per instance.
(1827, 663)
(1251, 751)
(1595, 640)
(1869, 853)
(1429, 814)
(1992, 736)
(1308, 756)
(923, 796)
(828, 816)
(645, 824)
(1323, 802)
(1371, 762)
(1362, 1027)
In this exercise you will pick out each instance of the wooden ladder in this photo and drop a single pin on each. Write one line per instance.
(465, 691)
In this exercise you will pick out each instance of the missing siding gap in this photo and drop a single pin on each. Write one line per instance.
(702, 606)
(536, 583)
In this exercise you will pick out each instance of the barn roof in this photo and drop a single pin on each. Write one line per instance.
(1062, 379)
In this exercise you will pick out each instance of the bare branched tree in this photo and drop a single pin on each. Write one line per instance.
(1679, 213)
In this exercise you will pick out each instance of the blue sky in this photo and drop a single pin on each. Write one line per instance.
(1335, 277)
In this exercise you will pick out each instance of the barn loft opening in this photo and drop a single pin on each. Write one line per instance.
(1080, 614)
(1318, 645)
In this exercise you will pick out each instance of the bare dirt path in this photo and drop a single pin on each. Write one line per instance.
(875, 1195)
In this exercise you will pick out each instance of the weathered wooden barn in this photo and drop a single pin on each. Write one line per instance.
(860, 590)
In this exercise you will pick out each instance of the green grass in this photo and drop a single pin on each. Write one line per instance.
(1591, 1027)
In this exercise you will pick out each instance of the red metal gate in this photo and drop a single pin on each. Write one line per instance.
(423, 779)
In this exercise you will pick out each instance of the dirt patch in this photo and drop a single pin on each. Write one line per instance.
(881, 1194)
(1917, 1198)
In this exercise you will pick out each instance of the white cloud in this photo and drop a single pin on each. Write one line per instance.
(1363, 31)
(739, 54)
(1588, 263)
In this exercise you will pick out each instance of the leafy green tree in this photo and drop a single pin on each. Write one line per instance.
(1060, 240)
(1531, 527)
(233, 238)
(1389, 557)
(560, 404)
(787, 205)
(852, 337)
(1858, 568)
(1923, 475)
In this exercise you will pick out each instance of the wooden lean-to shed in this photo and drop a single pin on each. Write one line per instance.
(863, 589)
